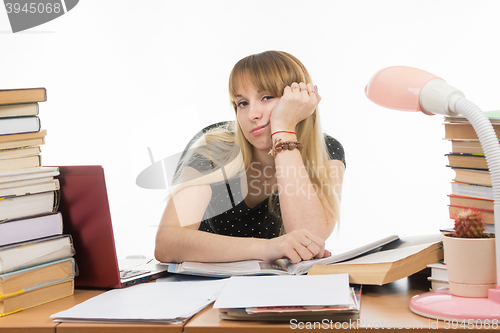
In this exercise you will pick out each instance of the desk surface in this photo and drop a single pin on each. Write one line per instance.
(380, 307)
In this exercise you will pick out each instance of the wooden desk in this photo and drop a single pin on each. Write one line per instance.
(386, 306)
(381, 306)
(37, 319)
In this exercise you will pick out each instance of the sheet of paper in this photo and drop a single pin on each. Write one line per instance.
(146, 302)
(257, 291)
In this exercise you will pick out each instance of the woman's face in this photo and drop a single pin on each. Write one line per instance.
(253, 111)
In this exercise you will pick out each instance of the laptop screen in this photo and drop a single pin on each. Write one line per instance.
(86, 216)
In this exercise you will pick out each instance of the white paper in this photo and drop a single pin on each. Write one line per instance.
(257, 291)
(146, 302)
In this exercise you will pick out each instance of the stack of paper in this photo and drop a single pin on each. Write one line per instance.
(320, 296)
(162, 303)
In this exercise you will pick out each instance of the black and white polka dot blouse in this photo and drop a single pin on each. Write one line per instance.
(227, 213)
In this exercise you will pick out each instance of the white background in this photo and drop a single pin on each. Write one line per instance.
(122, 76)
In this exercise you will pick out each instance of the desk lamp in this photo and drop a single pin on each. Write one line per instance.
(411, 89)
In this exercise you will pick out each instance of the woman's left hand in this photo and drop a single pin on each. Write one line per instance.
(296, 246)
(298, 102)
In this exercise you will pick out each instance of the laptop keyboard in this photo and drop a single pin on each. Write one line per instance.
(129, 273)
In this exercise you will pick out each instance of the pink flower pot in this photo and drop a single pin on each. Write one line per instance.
(471, 265)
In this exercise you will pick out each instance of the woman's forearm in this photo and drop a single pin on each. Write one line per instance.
(178, 238)
(177, 244)
(299, 202)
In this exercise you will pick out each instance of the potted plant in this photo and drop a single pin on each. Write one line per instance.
(469, 254)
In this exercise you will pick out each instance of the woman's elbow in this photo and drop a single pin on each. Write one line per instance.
(165, 248)
(161, 253)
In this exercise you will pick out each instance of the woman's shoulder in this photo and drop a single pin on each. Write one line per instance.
(227, 126)
(334, 148)
(212, 145)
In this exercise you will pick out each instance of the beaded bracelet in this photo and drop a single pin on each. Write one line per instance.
(279, 146)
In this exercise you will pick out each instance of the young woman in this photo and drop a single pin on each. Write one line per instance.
(264, 187)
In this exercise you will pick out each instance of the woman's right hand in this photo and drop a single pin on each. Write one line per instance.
(298, 102)
(296, 246)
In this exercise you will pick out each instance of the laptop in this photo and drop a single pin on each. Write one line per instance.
(86, 216)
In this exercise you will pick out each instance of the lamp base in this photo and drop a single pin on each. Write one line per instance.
(441, 304)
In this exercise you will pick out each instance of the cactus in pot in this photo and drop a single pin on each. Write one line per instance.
(469, 223)
(469, 254)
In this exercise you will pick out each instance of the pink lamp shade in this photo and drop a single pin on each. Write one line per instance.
(398, 88)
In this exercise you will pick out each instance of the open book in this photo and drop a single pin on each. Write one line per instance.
(278, 267)
(394, 261)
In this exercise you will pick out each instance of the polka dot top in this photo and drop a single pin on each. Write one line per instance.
(227, 213)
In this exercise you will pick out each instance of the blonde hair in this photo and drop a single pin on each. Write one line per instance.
(272, 71)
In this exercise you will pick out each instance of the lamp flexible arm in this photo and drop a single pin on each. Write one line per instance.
(491, 148)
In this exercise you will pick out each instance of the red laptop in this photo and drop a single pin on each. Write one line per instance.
(86, 216)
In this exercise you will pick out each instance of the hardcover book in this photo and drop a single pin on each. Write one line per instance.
(488, 214)
(23, 140)
(34, 252)
(38, 276)
(28, 205)
(22, 230)
(393, 262)
(462, 201)
(23, 301)
(18, 110)
(18, 96)
(470, 190)
(462, 131)
(19, 152)
(19, 125)
(20, 162)
(31, 188)
(472, 176)
(29, 173)
(468, 161)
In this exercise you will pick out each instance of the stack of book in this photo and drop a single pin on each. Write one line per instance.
(439, 276)
(471, 186)
(36, 264)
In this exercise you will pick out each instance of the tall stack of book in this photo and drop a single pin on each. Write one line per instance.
(471, 186)
(36, 264)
